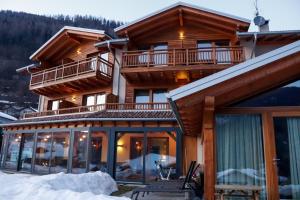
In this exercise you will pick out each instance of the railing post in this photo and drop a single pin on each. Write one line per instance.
(55, 74)
(174, 59)
(214, 56)
(43, 79)
(187, 56)
(77, 70)
(63, 71)
(148, 63)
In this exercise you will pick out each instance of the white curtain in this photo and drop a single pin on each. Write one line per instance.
(294, 151)
(240, 157)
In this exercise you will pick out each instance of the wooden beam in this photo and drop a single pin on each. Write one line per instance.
(180, 17)
(209, 147)
(270, 154)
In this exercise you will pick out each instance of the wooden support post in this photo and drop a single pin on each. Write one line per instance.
(209, 147)
(270, 154)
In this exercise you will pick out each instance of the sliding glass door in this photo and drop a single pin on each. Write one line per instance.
(287, 140)
(138, 152)
(240, 151)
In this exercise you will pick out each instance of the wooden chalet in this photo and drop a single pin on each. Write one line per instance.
(180, 84)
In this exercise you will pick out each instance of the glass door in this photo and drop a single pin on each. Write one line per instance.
(287, 159)
(129, 165)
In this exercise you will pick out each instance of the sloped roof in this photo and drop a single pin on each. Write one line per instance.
(64, 29)
(185, 5)
(234, 84)
(99, 116)
(234, 71)
(6, 116)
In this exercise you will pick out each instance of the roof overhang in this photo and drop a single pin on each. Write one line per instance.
(270, 36)
(66, 34)
(113, 43)
(179, 8)
(235, 84)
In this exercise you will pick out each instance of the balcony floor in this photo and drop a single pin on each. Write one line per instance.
(168, 73)
(71, 85)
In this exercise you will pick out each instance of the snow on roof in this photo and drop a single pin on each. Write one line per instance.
(112, 41)
(245, 34)
(234, 71)
(67, 28)
(6, 116)
(186, 5)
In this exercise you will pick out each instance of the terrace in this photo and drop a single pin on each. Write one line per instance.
(102, 107)
(142, 65)
(72, 77)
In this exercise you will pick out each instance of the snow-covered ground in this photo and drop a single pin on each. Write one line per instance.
(88, 186)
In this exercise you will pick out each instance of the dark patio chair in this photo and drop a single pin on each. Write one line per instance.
(172, 186)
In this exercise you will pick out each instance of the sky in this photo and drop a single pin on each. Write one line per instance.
(283, 14)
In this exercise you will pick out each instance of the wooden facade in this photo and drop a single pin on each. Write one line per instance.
(164, 51)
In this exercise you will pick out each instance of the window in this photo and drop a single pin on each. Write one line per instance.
(101, 99)
(275, 97)
(136, 155)
(240, 151)
(52, 152)
(99, 149)
(207, 54)
(160, 54)
(205, 51)
(60, 152)
(80, 149)
(222, 52)
(159, 96)
(142, 96)
(54, 104)
(26, 151)
(94, 99)
(43, 153)
(12, 155)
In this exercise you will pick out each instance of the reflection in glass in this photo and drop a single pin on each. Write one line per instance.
(43, 153)
(13, 149)
(287, 138)
(79, 158)
(275, 97)
(99, 145)
(240, 157)
(60, 152)
(161, 148)
(26, 151)
(129, 158)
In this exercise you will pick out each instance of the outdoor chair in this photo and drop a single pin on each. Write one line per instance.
(171, 186)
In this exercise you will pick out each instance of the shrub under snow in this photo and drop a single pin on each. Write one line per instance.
(88, 186)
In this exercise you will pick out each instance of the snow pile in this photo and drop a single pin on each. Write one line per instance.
(88, 186)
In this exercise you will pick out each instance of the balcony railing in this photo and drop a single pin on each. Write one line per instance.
(176, 57)
(93, 65)
(103, 107)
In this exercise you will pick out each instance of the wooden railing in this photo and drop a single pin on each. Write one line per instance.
(177, 57)
(71, 70)
(102, 107)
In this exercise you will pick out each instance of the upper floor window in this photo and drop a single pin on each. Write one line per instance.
(54, 104)
(94, 99)
(214, 51)
(142, 96)
(148, 96)
(160, 54)
(159, 95)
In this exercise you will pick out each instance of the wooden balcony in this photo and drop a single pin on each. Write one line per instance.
(199, 62)
(103, 107)
(72, 77)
